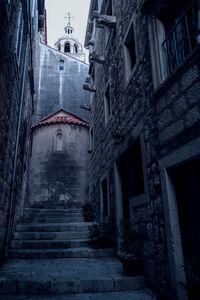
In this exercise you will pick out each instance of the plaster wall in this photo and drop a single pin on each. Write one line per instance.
(59, 166)
(57, 89)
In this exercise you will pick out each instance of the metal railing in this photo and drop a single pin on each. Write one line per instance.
(182, 39)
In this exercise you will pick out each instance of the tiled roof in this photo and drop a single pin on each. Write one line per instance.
(61, 117)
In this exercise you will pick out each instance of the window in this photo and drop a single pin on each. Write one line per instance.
(19, 38)
(75, 49)
(104, 197)
(91, 133)
(58, 47)
(59, 142)
(107, 30)
(67, 47)
(107, 103)
(130, 50)
(61, 64)
(173, 35)
(180, 26)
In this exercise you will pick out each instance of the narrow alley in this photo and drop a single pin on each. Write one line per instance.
(100, 149)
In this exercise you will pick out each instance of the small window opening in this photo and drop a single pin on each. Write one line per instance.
(91, 140)
(59, 142)
(109, 8)
(75, 48)
(67, 47)
(104, 195)
(130, 50)
(61, 64)
(107, 103)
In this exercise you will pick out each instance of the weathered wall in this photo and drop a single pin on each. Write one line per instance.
(11, 94)
(58, 174)
(166, 119)
(57, 89)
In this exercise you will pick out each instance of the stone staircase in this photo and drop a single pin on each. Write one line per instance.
(54, 233)
(53, 257)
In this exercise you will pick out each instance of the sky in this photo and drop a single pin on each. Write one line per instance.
(56, 21)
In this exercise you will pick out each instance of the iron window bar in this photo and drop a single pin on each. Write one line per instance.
(182, 38)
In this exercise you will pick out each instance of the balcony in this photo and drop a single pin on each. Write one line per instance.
(182, 38)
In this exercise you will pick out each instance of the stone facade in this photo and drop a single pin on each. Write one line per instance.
(59, 177)
(160, 114)
(16, 99)
(58, 173)
(57, 88)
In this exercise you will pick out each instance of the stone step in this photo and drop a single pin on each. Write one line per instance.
(64, 235)
(51, 244)
(53, 210)
(56, 227)
(63, 276)
(53, 219)
(52, 215)
(143, 294)
(80, 252)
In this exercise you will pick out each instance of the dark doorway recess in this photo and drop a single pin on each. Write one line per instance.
(67, 47)
(187, 187)
(131, 173)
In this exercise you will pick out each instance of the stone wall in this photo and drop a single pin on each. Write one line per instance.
(57, 89)
(58, 174)
(11, 78)
(165, 119)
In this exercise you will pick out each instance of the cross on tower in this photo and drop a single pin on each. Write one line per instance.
(69, 17)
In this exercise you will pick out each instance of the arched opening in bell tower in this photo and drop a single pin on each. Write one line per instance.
(75, 48)
(67, 47)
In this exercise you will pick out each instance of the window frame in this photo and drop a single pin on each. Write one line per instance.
(61, 65)
(104, 218)
(157, 35)
(19, 35)
(127, 68)
(108, 31)
(107, 106)
(91, 139)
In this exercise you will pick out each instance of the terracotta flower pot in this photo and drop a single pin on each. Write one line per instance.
(88, 218)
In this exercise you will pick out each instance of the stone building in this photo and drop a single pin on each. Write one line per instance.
(21, 24)
(60, 138)
(144, 78)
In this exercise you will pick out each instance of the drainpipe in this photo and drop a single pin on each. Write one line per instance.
(13, 186)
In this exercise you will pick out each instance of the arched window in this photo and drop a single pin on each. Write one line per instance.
(75, 49)
(61, 64)
(58, 47)
(67, 47)
(59, 142)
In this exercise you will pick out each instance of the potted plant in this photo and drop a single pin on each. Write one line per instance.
(130, 254)
(88, 212)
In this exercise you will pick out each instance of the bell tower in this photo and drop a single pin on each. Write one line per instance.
(68, 43)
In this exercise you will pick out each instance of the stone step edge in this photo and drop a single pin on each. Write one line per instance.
(75, 252)
(34, 286)
(142, 294)
(58, 224)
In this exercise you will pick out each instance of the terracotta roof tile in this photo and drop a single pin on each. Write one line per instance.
(62, 116)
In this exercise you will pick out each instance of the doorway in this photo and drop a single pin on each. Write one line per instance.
(186, 179)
